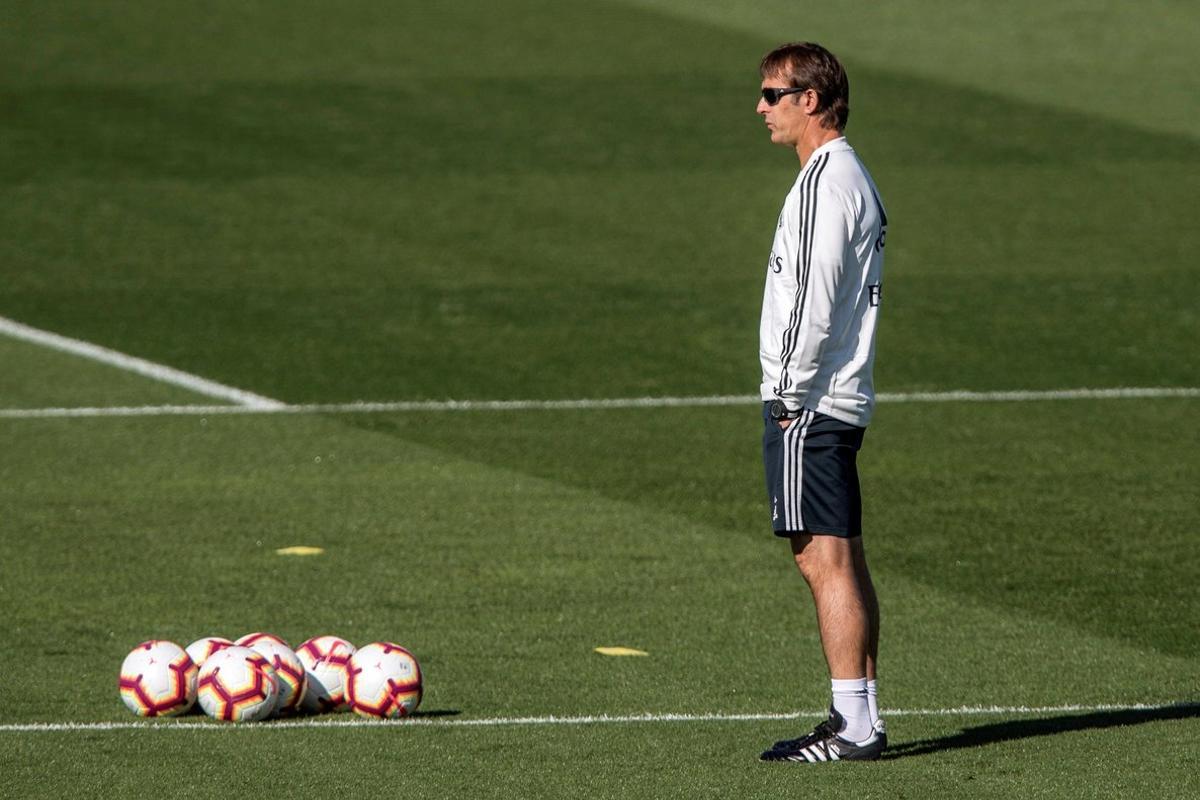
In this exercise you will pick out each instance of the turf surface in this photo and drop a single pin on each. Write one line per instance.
(486, 202)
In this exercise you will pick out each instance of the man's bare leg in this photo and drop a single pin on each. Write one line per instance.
(872, 604)
(835, 568)
(828, 565)
(869, 600)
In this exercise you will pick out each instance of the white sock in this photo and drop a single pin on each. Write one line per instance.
(873, 699)
(850, 700)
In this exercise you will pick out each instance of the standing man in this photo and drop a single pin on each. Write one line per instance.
(817, 347)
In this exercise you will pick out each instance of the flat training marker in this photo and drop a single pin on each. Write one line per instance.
(300, 550)
(620, 651)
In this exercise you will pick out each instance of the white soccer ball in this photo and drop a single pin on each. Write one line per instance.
(237, 684)
(251, 639)
(325, 659)
(201, 649)
(383, 680)
(158, 679)
(293, 680)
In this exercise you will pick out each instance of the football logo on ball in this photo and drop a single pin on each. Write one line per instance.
(383, 680)
(158, 679)
(237, 684)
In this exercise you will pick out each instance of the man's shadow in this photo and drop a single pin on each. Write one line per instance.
(1026, 728)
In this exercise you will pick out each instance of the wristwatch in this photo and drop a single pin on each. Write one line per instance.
(779, 411)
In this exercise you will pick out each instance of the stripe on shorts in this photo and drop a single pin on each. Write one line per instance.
(793, 471)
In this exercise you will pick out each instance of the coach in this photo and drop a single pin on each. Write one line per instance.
(817, 347)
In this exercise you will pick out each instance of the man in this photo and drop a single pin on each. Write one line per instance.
(817, 347)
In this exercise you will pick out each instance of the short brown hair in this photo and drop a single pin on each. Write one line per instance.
(807, 65)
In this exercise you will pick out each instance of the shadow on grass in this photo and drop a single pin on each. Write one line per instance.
(1028, 728)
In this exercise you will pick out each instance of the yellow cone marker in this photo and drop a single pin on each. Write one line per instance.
(620, 651)
(300, 550)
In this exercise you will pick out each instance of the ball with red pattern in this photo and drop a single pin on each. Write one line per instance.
(325, 659)
(383, 680)
(237, 684)
(251, 639)
(158, 679)
(293, 680)
(201, 649)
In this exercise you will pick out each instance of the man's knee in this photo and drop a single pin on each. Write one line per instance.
(819, 556)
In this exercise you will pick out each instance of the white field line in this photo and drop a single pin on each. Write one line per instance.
(604, 719)
(141, 366)
(265, 406)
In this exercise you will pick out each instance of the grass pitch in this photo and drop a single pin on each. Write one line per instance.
(487, 202)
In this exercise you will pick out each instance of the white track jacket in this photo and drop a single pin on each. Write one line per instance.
(824, 285)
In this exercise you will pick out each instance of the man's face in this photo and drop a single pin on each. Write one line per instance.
(786, 120)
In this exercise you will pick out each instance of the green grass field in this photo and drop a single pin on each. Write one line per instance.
(550, 201)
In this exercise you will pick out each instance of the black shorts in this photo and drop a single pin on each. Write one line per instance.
(812, 477)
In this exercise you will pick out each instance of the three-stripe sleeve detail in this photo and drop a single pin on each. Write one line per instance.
(807, 216)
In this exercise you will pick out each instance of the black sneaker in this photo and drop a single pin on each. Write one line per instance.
(824, 744)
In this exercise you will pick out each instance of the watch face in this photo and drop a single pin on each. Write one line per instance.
(778, 409)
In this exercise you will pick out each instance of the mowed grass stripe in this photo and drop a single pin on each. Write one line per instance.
(385, 494)
(962, 396)
(602, 719)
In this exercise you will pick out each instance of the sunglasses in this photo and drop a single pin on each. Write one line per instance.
(773, 96)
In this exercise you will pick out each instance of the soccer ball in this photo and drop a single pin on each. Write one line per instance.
(237, 684)
(251, 639)
(201, 649)
(325, 659)
(287, 665)
(383, 680)
(158, 679)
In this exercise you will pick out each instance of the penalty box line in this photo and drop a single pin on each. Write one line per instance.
(603, 719)
(266, 406)
(140, 366)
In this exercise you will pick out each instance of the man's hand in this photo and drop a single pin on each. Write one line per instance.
(784, 423)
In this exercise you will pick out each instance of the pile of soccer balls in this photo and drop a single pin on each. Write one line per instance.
(260, 676)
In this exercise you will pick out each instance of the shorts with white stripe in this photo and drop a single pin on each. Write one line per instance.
(812, 475)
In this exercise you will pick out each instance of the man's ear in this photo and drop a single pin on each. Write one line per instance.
(811, 101)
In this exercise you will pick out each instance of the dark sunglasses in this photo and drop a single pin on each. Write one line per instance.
(773, 96)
